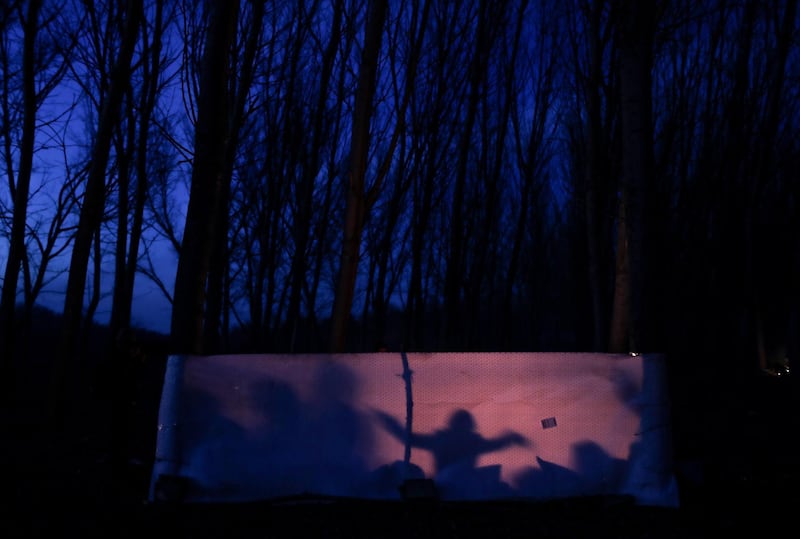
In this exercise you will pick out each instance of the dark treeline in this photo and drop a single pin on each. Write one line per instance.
(344, 175)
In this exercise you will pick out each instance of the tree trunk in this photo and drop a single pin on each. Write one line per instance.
(218, 272)
(618, 340)
(125, 274)
(636, 35)
(454, 275)
(355, 210)
(594, 178)
(767, 241)
(92, 210)
(16, 251)
(421, 215)
(211, 140)
(120, 310)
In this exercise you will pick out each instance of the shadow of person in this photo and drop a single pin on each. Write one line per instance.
(455, 451)
(600, 472)
(282, 467)
(210, 445)
(338, 430)
(591, 472)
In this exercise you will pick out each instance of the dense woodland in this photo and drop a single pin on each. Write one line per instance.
(347, 175)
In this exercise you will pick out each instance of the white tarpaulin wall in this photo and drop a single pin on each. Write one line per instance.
(481, 425)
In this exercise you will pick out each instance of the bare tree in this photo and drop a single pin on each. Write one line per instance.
(208, 171)
(133, 155)
(21, 187)
(308, 148)
(50, 234)
(358, 201)
(434, 109)
(42, 68)
(770, 233)
(592, 131)
(636, 30)
(218, 302)
(487, 17)
(531, 121)
(386, 234)
(491, 186)
(93, 204)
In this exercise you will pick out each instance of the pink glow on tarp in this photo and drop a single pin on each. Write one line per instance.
(499, 425)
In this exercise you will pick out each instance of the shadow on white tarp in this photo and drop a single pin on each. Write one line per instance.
(480, 425)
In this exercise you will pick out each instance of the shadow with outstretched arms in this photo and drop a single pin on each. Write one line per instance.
(455, 451)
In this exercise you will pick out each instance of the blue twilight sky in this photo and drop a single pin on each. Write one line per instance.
(150, 310)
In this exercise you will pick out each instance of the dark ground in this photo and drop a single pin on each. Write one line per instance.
(736, 460)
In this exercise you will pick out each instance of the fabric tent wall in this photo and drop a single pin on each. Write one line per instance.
(480, 425)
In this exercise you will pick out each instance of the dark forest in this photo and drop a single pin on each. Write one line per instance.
(421, 175)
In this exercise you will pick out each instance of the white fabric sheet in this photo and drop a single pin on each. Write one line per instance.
(481, 426)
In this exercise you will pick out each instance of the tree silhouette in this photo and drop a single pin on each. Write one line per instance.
(208, 180)
(93, 203)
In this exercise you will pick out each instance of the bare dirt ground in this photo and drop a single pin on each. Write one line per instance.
(736, 463)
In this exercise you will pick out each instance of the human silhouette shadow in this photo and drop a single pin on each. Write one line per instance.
(284, 463)
(210, 445)
(316, 445)
(338, 431)
(455, 451)
(592, 472)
